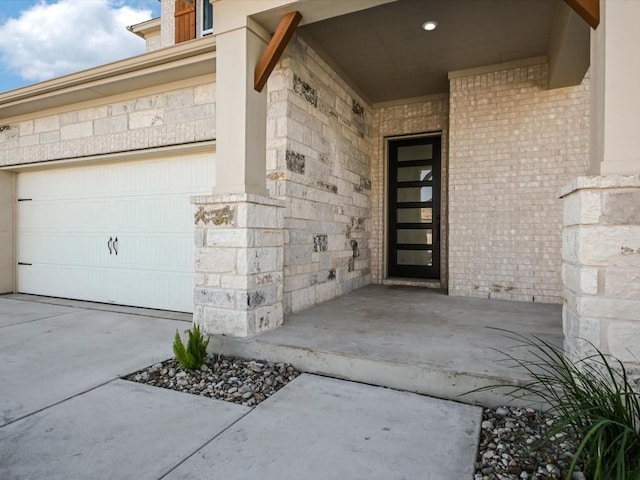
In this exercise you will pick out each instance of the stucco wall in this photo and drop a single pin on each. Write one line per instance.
(168, 23)
(512, 145)
(319, 160)
(156, 117)
(428, 115)
(7, 209)
(153, 41)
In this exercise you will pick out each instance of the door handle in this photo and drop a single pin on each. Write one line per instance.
(109, 245)
(115, 245)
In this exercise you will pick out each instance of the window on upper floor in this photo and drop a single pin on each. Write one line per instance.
(207, 17)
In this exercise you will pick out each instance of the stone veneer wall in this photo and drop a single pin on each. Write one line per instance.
(238, 264)
(319, 161)
(601, 271)
(512, 145)
(427, 115)
(169, 117)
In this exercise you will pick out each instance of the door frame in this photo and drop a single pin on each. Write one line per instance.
(442, 282)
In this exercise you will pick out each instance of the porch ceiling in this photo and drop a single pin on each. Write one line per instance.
(386, 55)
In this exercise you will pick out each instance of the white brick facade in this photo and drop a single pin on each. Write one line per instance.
(513, 144)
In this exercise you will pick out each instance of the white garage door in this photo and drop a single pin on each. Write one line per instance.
(116, 233)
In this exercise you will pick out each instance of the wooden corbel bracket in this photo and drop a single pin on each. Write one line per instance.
(274, 50)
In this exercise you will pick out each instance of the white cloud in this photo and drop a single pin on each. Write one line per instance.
(52, 39)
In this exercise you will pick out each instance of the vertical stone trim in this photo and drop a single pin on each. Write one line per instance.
(601, 267)
(238, 264)
(168, 24)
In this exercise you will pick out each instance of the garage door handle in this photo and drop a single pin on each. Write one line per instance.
(115, 245)
(109, 245)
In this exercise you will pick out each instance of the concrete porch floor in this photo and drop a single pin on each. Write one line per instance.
(412, 339)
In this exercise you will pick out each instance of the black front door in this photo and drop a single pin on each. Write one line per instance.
(414, 208)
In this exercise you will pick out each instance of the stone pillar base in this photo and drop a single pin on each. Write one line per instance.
(239, 256)
(601, 267)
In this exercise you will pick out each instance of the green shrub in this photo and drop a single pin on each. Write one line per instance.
(195, 354)
(594, 397)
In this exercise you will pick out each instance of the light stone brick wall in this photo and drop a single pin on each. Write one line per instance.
(239, 256)
(165, 117)
(153, 42)
(512, 145)
(319, 161)
(601, 267)
(425, 116)
(167, 23)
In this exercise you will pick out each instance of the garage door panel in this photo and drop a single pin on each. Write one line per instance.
(65, 231)
(66, 281)
(168, 213)
(154, 252)
(153, 289)
(65, 216)
(61, 248)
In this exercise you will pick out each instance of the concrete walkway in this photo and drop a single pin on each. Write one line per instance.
(66, 414)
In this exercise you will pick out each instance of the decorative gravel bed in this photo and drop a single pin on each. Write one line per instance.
(507, 437)
(506, 441)
(245, 382)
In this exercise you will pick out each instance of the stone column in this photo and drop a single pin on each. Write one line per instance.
(239, 241)
(239, 229)
(601, 266)
(241, 112)
(601, 237)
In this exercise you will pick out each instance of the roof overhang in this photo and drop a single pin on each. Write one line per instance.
(144, 29)
(179, 62)
(380, 49)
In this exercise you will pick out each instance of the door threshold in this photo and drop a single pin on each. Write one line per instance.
(412, 282)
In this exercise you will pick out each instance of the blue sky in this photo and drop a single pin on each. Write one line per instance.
(43, 39)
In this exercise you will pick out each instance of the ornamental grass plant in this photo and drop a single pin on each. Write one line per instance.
(194, 354)
(594, 397)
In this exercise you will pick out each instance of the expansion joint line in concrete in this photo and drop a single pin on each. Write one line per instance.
(59, 402)
(38, 319)
(196, 450)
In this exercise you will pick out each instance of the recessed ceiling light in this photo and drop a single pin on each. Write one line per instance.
(430, 25)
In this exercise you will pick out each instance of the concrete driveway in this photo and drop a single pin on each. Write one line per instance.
(66, 414)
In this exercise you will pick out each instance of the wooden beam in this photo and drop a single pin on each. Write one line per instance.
(274, 50)
(589, 10)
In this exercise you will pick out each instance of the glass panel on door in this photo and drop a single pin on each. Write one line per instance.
(415, 174)
(416, 236)
(415, 194)
(415, 215)
(415, 257)
(409, 153)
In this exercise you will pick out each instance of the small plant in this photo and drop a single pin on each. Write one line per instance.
(594, 397)
(195, 354)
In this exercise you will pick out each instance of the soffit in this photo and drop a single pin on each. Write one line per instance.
(186, 60)
(386, 55)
